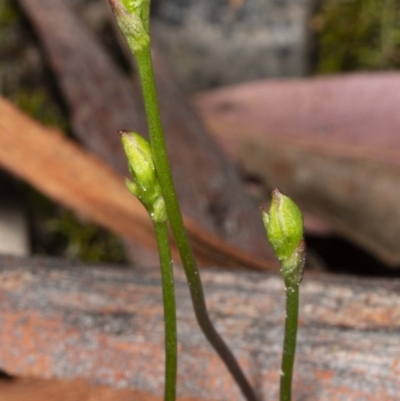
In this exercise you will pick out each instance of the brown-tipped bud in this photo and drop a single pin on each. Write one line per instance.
(132, 17)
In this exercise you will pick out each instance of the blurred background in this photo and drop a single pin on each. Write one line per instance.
(280, 85)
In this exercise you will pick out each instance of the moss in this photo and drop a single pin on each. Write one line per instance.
(9, 14)
(358, 35)
(59, 232)
(83, 241)
(38, 105)
(11, 23)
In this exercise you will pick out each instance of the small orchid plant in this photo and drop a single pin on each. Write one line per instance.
(153, 185)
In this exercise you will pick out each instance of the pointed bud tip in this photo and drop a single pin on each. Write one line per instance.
(276, 193)
(116, 4)
(113, 3)
(123, 132)
(276, 196)
(130, 137)
(118, 8)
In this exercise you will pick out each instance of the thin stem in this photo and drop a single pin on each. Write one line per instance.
(146, 74)
(167, 278)
(289, 344)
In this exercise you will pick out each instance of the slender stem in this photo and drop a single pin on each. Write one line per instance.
(146, 74)
(167, 278)
(289, 344)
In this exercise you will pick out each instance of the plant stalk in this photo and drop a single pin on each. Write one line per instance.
(289, 344)
(167, 278)
(145, 68)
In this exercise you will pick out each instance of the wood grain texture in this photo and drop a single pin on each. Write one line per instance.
(330, 143)
(102, 101)
(104, 325)
(31, 389)
(78, 180)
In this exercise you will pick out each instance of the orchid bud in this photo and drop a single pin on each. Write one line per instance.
(284, 225)
(145, 186)
(140, 8)
(140, 159)
(132, 17)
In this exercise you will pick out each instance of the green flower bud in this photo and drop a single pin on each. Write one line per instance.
(284, 225)
(141, 165)
(140, 160)
(140, 8)
(132, 17)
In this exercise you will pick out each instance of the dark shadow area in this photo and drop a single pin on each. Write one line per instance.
(341, 256)
(4, 376)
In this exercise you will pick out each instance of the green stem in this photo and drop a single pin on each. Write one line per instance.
(161, 162)
(167, 278)
(289, 344)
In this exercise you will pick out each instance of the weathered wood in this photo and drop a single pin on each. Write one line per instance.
(105, 325)
(66, 173)
(331, 143)
(102, 101)
(29, 389)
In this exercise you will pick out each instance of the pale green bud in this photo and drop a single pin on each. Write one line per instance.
(140, 160)
(284, 225)
(140, 8)
(146, 186)
(132, 17)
